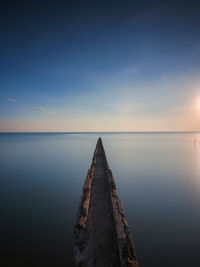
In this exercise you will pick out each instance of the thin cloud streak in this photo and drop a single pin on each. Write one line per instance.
(42, 110)
(12, 99)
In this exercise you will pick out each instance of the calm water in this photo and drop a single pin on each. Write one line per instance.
(158, 181)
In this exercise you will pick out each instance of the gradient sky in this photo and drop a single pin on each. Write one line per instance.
(99, 66)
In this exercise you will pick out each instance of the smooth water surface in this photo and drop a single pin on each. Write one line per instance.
(158, 181)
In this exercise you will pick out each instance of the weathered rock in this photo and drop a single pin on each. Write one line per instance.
(102, 235)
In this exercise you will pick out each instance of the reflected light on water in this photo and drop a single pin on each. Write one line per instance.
(197, 159)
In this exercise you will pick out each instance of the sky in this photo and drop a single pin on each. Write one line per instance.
(114, 66)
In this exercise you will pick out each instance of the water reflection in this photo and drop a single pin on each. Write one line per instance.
(157, 177)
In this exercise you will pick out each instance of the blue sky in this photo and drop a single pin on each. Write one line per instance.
(100, 66)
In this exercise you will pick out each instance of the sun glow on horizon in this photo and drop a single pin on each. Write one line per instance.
(198, 104)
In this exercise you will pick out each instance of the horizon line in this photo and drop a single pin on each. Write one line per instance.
(71, 132)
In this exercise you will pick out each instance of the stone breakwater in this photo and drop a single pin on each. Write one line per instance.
(102, 235)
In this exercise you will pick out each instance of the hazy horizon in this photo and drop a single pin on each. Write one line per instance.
(107, 132)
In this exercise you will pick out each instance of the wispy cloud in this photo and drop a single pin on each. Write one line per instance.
(43, 110)
(132, 70)
(12, 99)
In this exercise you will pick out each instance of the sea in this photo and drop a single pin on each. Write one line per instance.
(158, 181)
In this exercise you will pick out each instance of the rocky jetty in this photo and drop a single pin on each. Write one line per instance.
(102, 235)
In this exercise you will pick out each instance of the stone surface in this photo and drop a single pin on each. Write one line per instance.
(102, 235)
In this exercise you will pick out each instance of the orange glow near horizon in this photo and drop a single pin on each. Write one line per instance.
(198, 104)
